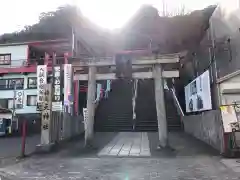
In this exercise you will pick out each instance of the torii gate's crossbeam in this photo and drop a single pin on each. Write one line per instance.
(139, 61)
(136, 75)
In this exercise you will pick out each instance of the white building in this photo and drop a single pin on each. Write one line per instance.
(18, 62)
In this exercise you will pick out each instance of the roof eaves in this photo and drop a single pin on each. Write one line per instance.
(33, 42)
(227, 77)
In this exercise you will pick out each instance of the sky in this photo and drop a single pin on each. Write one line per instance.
(110, 14)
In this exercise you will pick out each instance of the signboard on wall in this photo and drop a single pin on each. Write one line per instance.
(41, 81)
(57, 90)
(198, 94)
(19, 98)
(229, 118)
(68, 99)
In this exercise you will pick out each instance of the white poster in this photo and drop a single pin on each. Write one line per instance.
(68, 84)
(41, 81)
(198, 94)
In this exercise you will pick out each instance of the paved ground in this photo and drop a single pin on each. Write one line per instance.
(121, 169)
(188, 159)
(127, 144)
(181, 145)
(10, 147)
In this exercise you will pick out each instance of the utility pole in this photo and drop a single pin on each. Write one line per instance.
(14, 104)
(163, 7)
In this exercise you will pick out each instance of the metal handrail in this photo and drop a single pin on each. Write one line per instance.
(135, 88)
(180, 111)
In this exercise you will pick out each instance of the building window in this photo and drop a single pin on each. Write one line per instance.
(5, 59)
(32, 83)
(31, 100)
(3, 103)
(9, 83)
(3, 83)
(10, 105)
(19, 83)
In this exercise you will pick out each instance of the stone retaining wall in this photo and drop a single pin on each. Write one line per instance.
(206, 127)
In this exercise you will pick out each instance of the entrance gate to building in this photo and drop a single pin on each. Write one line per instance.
(143, 67)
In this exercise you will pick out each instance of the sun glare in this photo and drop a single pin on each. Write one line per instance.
(113, 14)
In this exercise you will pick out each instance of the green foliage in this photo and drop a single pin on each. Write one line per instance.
(51, 25)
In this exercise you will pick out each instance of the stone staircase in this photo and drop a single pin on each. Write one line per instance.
(146, 115)
(173, 118)
(115, 112)
(146, 108)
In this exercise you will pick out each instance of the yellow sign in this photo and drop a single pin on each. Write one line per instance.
(228, 117)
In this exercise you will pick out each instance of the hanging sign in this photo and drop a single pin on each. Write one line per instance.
(57, 90)
(41, 81)
(123, 66)
(67, 85)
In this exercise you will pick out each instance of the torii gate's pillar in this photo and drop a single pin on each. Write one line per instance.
(89, 124)
(160, 105)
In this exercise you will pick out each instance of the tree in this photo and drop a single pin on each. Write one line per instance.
(51, 25)
(168, 34)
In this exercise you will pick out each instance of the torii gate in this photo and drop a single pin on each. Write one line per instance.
(154, 65)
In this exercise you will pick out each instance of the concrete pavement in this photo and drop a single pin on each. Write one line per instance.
(187, 168)
(127, 144)
(189, 159)
(10, 147)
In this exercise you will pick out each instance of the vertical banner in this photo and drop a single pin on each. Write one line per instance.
(99, 88)
(41, 81)
(68, 81)
(19, 99)
(76, 97)
(46, 114)
(57, 89)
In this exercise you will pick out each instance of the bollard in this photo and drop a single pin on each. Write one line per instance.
(24, 129)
